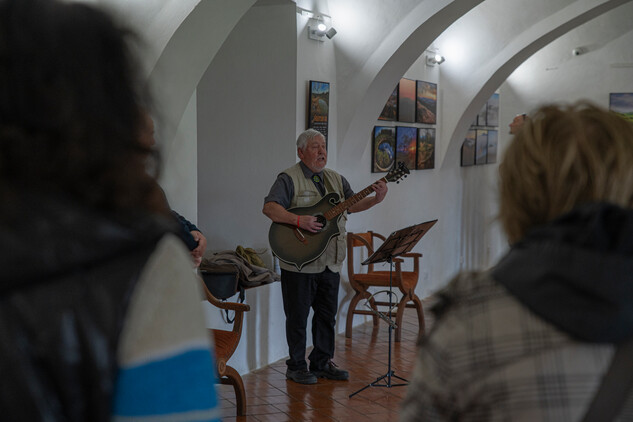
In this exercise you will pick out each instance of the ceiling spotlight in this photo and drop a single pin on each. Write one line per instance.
(317, 30)
(434, 59)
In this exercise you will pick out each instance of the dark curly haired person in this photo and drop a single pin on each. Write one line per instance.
(100, 314)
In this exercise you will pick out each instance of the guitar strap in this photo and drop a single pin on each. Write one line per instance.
(328, 185)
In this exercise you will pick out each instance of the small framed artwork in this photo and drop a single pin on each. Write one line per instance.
(426, 102)
(481, 149)
(390, 110)
(621, 103)
(406, 100)
(426, 149)
(468, 148)
(383, 148)
(318, 107)
(481, 116)
(406, 140)
(492, 111)
(491, 154)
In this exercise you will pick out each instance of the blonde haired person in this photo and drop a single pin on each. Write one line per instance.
(531, 339)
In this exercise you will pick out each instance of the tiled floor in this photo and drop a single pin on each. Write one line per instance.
(270, 397)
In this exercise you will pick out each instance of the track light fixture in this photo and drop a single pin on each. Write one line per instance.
(317, 29)
(433, 59)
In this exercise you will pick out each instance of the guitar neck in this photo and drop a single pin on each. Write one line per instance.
(343, 206)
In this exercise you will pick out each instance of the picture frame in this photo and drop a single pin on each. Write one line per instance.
(491, 151)
(426, 102)
(425, 149)
(406, 142)
(318, 107)
(481, 115)
(468, 149)
(621, 103)
(390, 110)
(492, 110)
(481, 148)
(406, 101)
(383, 149)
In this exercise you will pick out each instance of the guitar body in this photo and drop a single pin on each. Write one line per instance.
(299, 247)
(292, 248)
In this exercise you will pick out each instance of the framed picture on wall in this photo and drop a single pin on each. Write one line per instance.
(425, 149)
(492, 110)
(481, 116)
(491, 153)
(383, 148)
(406, 100)
(406, 141)
(481, 149)
(426, 102)
(318, 107)
(622, 104)
(390, 110)
(468, 149)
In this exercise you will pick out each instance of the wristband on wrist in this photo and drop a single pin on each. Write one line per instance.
(298, 217)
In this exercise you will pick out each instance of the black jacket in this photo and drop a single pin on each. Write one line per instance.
(67, 276)
(577, 272)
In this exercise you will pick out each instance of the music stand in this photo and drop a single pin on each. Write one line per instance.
(398, 243)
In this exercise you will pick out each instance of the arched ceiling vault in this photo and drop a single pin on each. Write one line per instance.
(466, 88)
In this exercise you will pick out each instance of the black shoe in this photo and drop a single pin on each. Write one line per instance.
(330, 371)
(302, 376)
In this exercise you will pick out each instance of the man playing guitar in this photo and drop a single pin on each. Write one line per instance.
(314, 284)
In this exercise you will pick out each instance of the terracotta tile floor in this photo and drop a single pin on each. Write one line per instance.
(270, 397)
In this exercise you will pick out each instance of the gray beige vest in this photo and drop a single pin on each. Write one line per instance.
(307, 194)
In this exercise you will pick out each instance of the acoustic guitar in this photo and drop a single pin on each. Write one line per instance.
(299, 247)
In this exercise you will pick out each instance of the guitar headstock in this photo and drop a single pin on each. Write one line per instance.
(398, 172)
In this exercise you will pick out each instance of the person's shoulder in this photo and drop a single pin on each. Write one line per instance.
(472, 284)
(333, 173)
(165, 352)
(291, 169)
(168, 298)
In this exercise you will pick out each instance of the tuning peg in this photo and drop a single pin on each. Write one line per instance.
(397, 182)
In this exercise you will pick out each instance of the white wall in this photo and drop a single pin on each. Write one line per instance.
(246, 132)
(179, 176)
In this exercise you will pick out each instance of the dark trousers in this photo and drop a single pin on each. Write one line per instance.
(300, 293)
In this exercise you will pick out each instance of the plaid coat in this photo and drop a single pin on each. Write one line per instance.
(489, 358)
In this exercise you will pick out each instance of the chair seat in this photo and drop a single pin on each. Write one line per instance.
(381, 278)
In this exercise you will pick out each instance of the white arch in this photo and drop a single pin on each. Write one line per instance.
(464, 90)
(496, 68)
(188, 54)
(363, 100)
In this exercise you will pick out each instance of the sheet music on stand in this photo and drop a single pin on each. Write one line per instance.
(399, 242)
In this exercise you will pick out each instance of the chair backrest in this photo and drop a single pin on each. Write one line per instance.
(360, 240)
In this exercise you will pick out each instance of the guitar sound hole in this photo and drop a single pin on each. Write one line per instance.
(321, 220)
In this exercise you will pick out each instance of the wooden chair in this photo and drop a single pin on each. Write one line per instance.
(404, 281)
(225, 344)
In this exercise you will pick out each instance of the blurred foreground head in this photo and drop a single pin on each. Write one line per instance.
(70, 106)
(563, 157)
